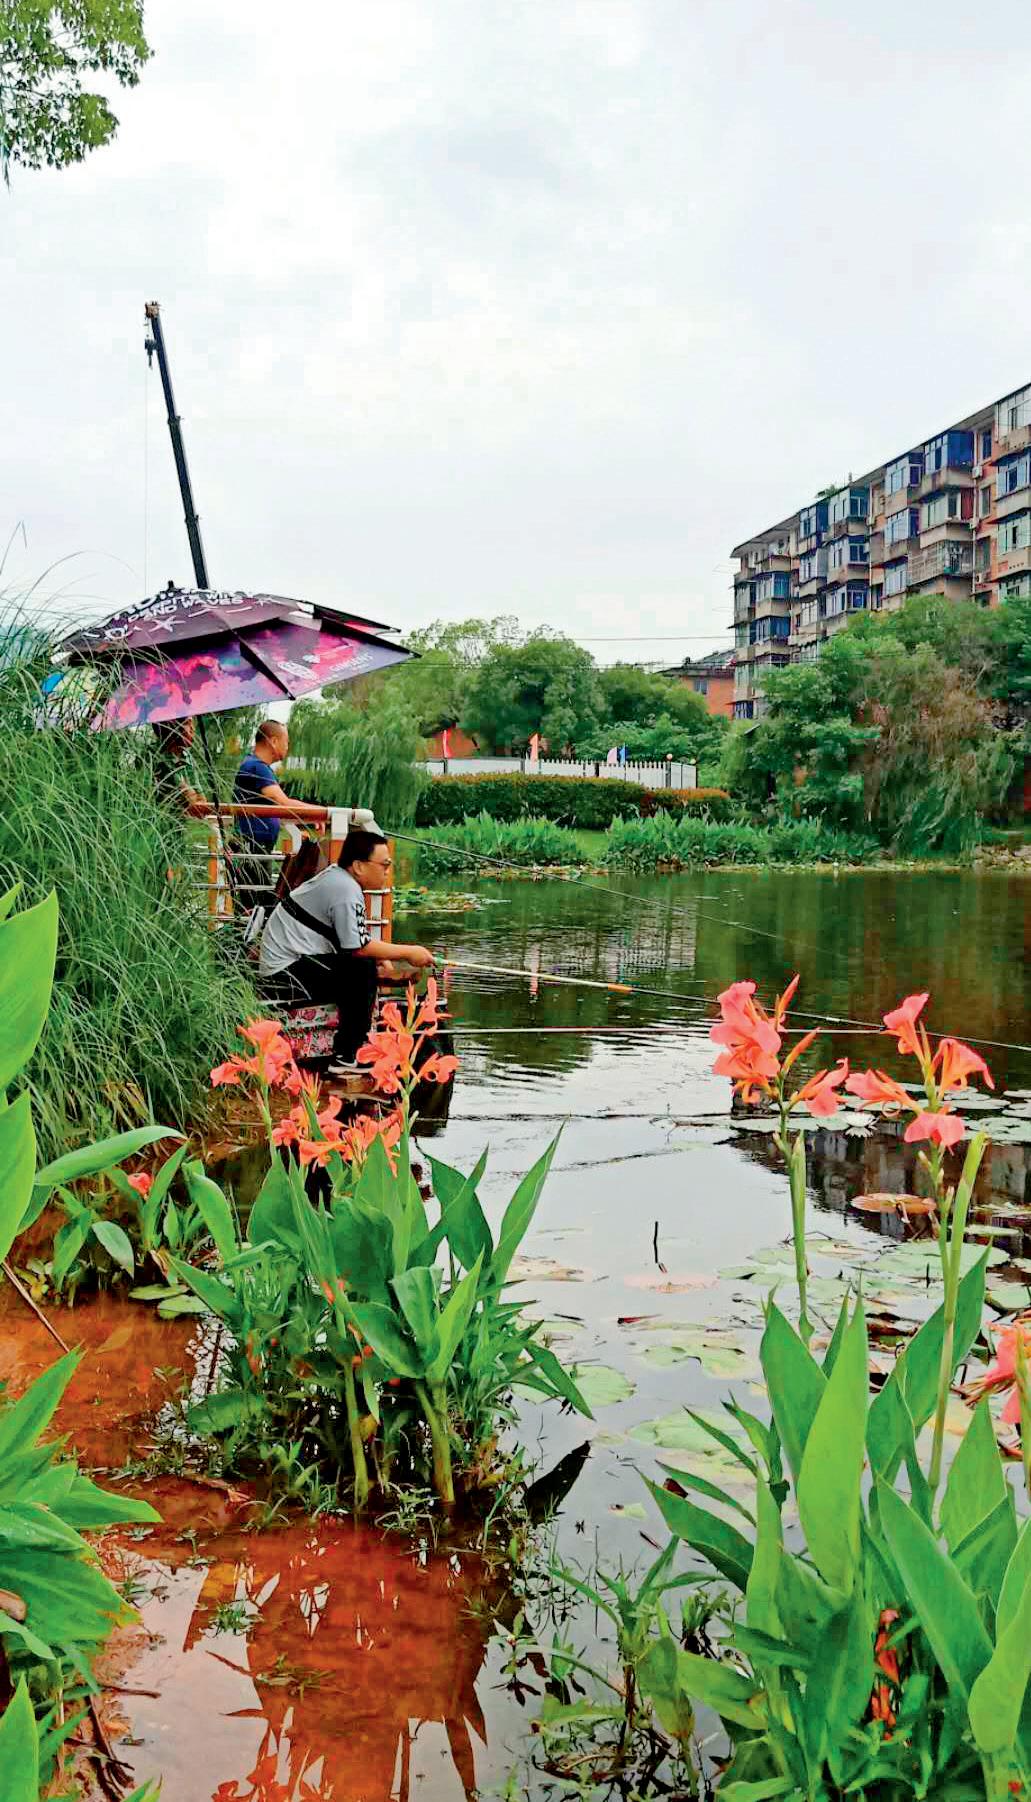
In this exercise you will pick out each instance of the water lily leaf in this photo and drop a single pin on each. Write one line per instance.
(716, 1353)
(880, 1202)
(630, 1510)
(680, 1432)
(600, 1385)
(1009, 1298)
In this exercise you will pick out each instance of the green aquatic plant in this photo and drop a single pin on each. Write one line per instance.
(56, 1606)
(529, 843)
(884, 1649)
(145, 992)
(681, 843)
(376, 1340)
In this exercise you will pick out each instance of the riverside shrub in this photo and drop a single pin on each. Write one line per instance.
(526, 842)
(679, 843)
(587, 802)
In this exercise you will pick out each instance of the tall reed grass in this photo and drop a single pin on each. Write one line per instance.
(145, 999)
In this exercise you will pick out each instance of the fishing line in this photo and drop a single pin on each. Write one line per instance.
(596, 888)
(860, 1028)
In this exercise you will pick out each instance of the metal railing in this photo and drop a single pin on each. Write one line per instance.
(227, 895)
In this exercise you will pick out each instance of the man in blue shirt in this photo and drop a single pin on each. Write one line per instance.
(257, 833)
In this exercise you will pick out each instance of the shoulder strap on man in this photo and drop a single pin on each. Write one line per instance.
(292, 906)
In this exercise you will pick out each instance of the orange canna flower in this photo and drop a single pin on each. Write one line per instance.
(941, 1128)
(438, 1068)
(227, 1075)
(886, 1659)
(881, 1090)
(261, 1032)
(955, 1061)
(1002, 1374)
(142, 1182)
(817, 1095)
(902, 1021)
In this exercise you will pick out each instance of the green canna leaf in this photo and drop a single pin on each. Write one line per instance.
(91, 1160)
(976, 1482)
(416, 1294)
(28, 949)
(795, 1383)
(734, 1696)
(519, 1213)
(829, 1485)
(213, 1209)
(944, 1605)
(840, 1681)
(462, 1220)
(727, 1550)
(997, 1695)
(454, 1318)
(381, 1329)
(19, 1748)
(116, 1243)
(1016, 1581)
(22, 1423)
(915, 1374)
(17, 1169)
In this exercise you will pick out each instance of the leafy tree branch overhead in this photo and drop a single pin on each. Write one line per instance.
(51, 113)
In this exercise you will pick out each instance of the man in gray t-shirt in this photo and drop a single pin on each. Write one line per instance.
(316, 945)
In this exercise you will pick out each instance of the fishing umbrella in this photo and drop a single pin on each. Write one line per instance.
(194, 651)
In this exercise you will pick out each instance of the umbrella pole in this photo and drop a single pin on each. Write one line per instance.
(213, 776)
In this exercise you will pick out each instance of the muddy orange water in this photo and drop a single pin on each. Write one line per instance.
(312, 1660)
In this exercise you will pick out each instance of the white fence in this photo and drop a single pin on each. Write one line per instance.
(650, 775)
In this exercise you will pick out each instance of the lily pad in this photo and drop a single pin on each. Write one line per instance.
(680, 1432)
(1011, 1298)
(629, 1510)
(881, 1202)
(600, 1385)
(717, 1356)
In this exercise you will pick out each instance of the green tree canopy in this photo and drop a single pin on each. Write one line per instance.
(547, 684)
(893, 728)
(48, 51)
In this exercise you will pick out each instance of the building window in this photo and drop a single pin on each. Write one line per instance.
(986, 445)
(951, 450)
(895, 578)
(700, 685)
(859, 550)
(984, 501)
(856, 599)
(904, 473)
(1015, 588)
(849, 503)
(900, 526)
(955, 504)
(1013, 475)
(1014, 534)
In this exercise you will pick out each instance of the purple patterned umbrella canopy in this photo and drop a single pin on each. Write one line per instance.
(194, 651)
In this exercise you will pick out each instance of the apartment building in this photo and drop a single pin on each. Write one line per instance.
(950, 516)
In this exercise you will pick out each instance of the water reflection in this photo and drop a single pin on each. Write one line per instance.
(843, 1165)
(355, 1648)
(860, 941)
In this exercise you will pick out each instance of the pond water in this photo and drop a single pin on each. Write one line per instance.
(316, 1662)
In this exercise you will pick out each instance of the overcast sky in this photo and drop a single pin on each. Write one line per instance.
(531, 306)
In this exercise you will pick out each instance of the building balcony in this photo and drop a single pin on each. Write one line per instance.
(1013, 563)
(849, 528)
(1006, 443)
(952, 476)
(1016, 502)
(949, 559)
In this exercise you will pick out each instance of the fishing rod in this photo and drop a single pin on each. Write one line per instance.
(851, 1025)
(852, 1028)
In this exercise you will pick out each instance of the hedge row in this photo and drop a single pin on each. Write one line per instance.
(591, 802)
(680, 843)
